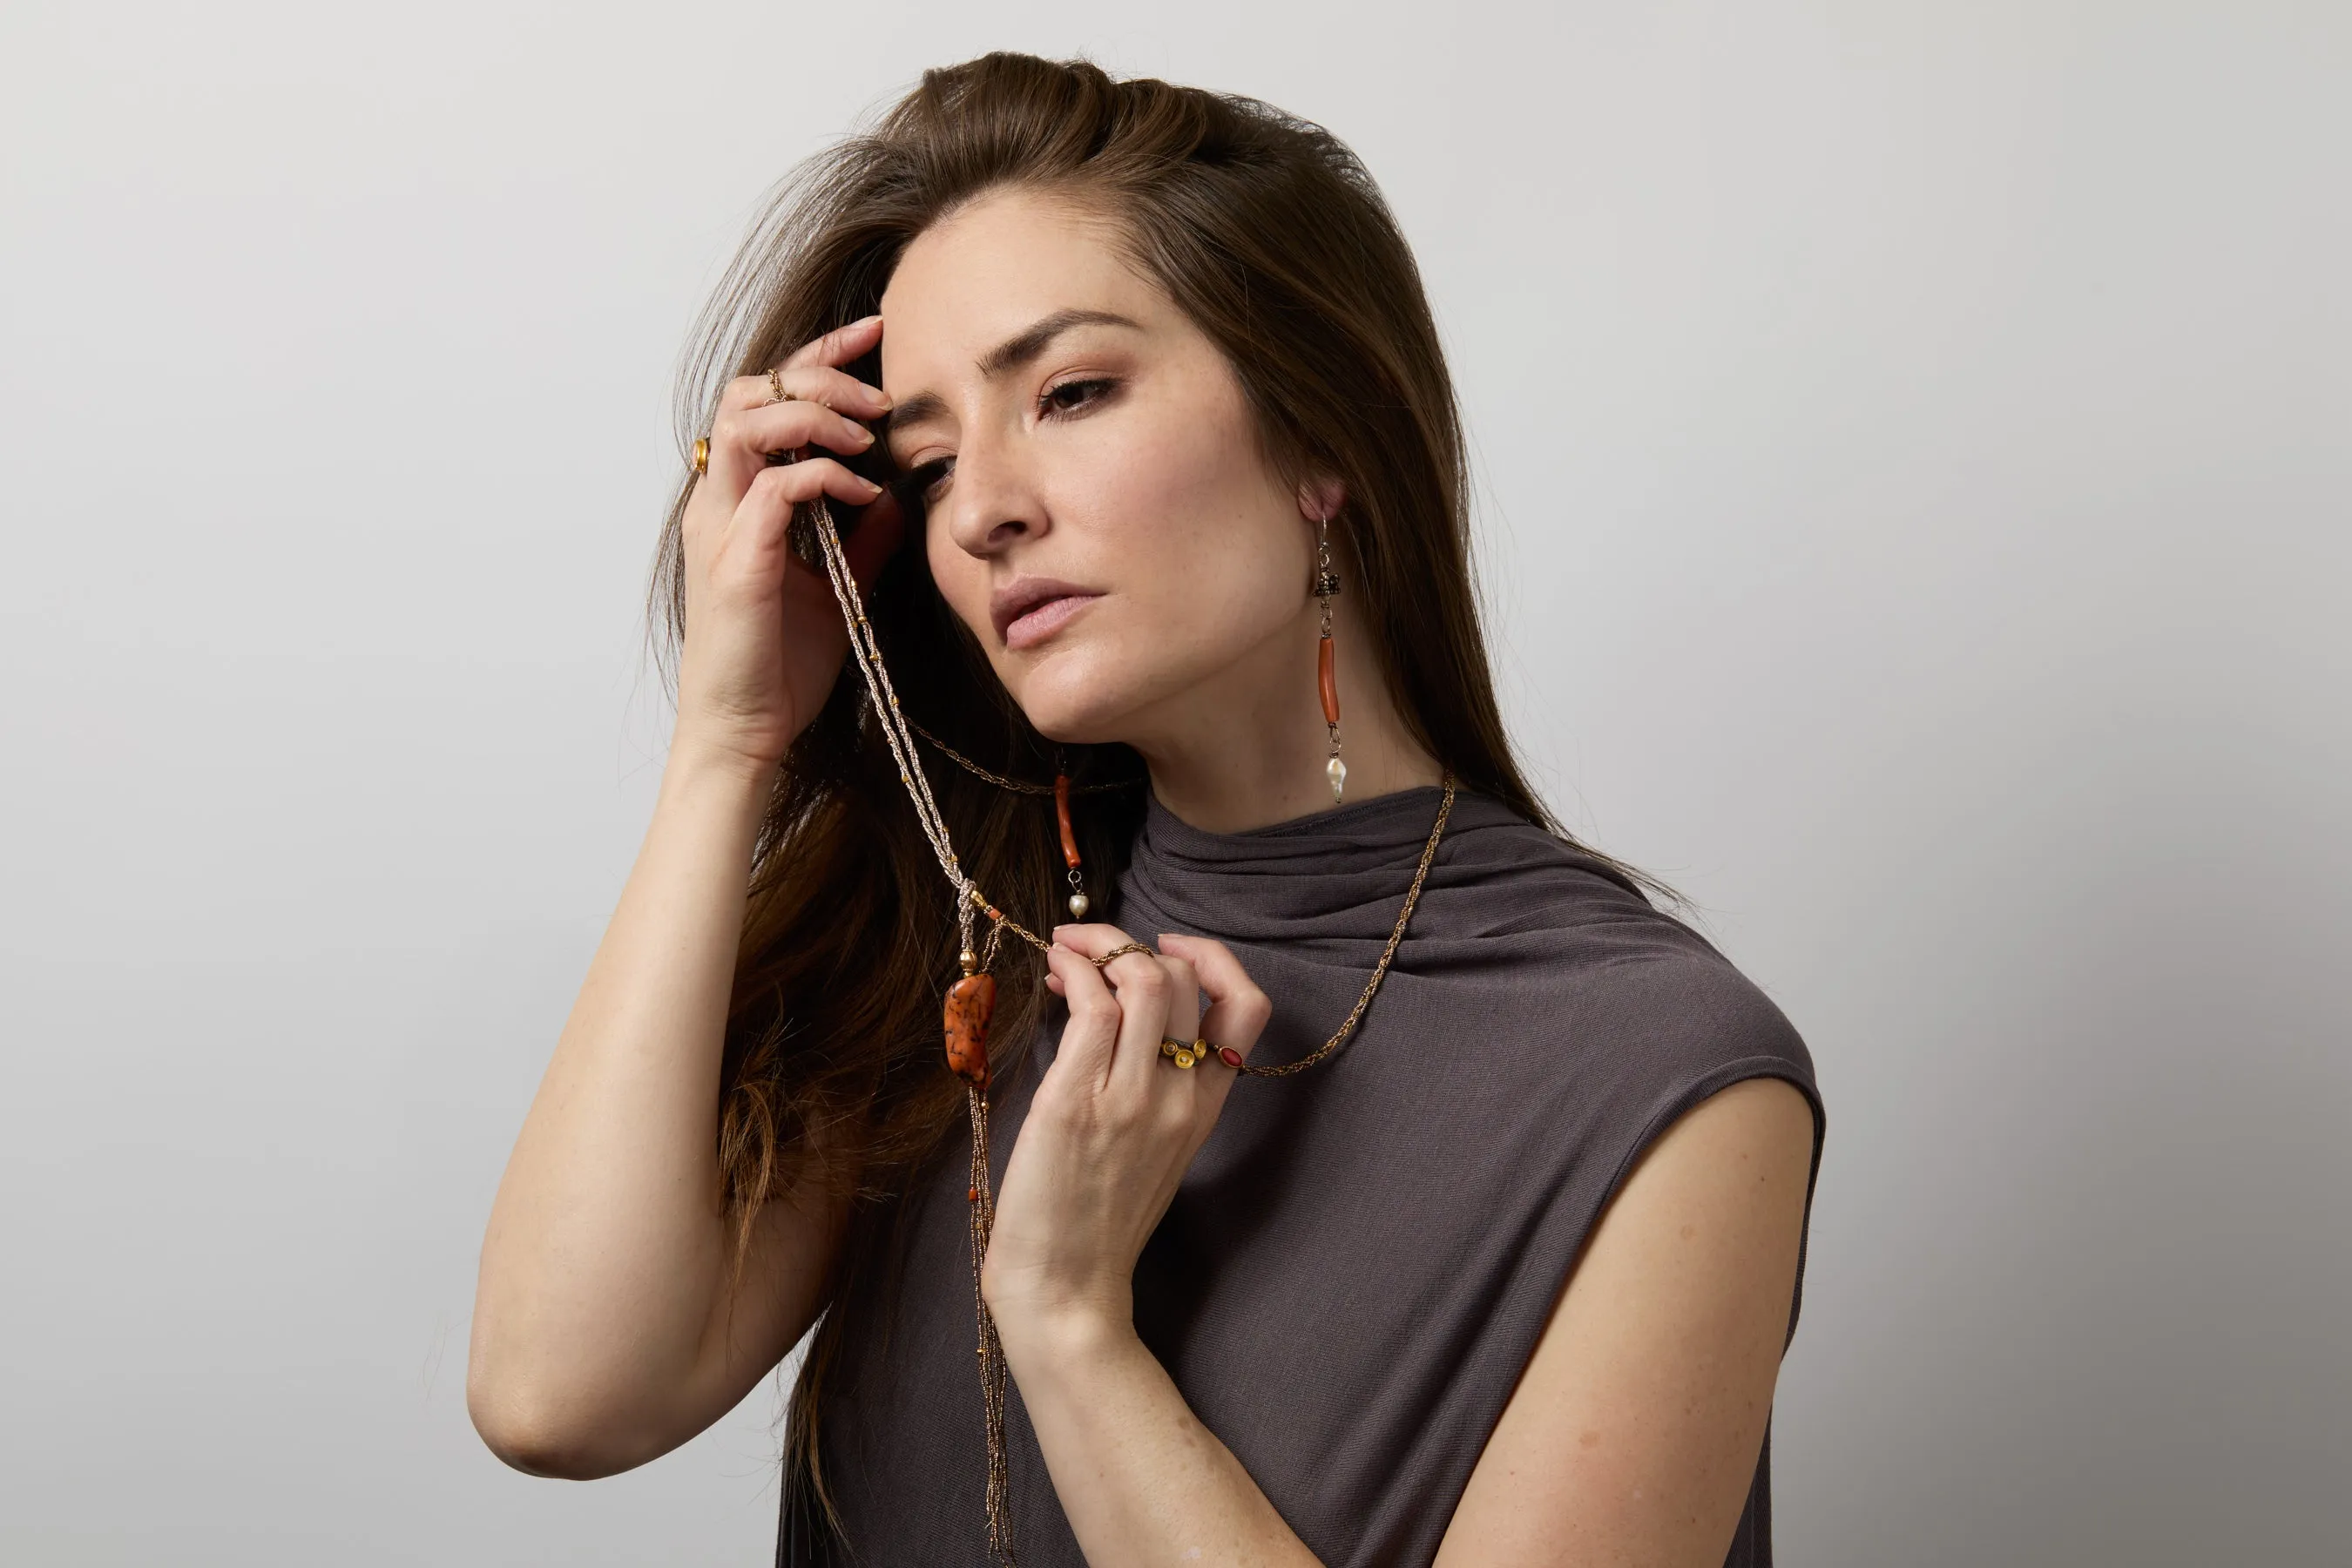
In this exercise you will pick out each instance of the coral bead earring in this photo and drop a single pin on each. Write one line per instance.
(1079, 902)
(1326, 673)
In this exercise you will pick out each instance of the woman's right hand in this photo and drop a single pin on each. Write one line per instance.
(764, 640)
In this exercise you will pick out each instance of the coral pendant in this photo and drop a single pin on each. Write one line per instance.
(969, 1002)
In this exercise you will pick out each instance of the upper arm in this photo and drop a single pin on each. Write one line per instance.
(787, 1269)
(1634, 1430)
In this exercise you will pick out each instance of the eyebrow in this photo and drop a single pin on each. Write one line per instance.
(1008, 356)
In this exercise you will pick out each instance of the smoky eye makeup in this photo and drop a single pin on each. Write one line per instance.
(1077, 394)
(913, 487)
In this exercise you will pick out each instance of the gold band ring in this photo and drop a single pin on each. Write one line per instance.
(776, 385)
(1118, 953)
(702, 453)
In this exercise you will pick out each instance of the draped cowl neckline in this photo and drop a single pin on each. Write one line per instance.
(1339, 873)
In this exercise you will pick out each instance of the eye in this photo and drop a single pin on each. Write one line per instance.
(1069, 396)
(922, 481)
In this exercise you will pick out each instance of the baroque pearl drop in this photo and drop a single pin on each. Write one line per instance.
(1079, 905)
(1338, 771)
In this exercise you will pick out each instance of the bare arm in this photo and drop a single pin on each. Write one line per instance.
(1634, 1433)
(610, 1324)
(604, 1332)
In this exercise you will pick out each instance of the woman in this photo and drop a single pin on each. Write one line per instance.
(1500, 1275)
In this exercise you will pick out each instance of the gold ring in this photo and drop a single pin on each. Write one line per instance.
(1185, 1053)
(776, 385)
(1118, 952)
(702, 453)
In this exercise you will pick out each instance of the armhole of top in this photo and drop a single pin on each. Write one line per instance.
(1687, 1096)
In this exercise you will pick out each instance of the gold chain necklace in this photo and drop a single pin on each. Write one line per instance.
(1355, 1014)
(971, 999)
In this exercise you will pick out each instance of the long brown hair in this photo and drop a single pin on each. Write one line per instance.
(1271, 237)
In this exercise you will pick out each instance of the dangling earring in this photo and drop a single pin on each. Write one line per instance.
(1079, 902)
(1327, 674)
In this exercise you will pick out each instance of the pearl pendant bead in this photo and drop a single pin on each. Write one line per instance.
(1079, 905)
(1338, 770)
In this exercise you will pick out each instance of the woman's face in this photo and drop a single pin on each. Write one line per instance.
(1099, 512)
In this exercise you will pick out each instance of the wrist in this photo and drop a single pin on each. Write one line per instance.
(715, 784)
(1062, 1334)
(696, 756)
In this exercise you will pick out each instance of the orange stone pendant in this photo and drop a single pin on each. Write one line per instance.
(969, 1002)
(1327, 676)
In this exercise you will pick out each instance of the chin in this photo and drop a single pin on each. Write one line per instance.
(1073, 697)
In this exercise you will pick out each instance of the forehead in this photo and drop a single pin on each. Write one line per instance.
(990, 269)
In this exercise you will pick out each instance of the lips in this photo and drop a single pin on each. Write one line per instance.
(1028, 610)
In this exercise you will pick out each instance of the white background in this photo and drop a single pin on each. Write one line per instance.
(1913, 452)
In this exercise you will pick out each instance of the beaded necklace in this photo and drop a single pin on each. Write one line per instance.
(972, 998)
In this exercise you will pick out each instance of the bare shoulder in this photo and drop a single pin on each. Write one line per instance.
(1635, 1429)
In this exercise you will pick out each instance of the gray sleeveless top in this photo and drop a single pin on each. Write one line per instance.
(1363, 1255)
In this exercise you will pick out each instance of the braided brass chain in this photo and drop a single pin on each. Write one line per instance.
(1017, 787)
(1006, 922)
(1356, 1014)
(1003, 923)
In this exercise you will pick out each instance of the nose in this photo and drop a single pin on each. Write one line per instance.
(993, 501)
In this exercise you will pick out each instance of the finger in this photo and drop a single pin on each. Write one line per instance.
(835, 389)
(766, 510)
(790, 484)
(1091, 1038)
(1142, 990)
(1092, 940)
(1238, 1010)
(1183, 1019)
(1147, 999)
(741, 440)
(839, 346)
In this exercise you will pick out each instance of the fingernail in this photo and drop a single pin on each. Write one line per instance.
(872, 488)
(866, 321)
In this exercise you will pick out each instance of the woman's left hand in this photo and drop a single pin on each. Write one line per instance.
(1114, 1124)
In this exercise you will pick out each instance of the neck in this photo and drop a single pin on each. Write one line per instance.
(1248, 748)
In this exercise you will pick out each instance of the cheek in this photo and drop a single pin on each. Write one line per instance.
(961, 580)
(1217, 535)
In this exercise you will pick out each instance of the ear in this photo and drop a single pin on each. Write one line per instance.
(1321, 497)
